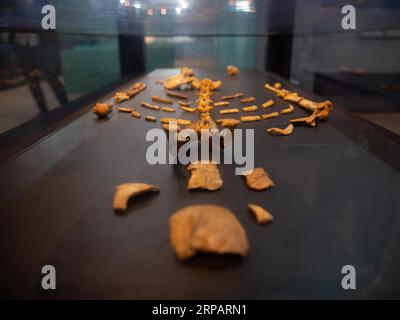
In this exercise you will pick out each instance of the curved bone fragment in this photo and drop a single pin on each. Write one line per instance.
(176, 95)
(204, 176)
(128, 110)
(262, 215)
(162, 100)
(206, 228)
(287, 110)
(258, 179)
(127, 190)
(283, 132)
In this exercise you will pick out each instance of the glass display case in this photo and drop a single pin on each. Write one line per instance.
(335, 199)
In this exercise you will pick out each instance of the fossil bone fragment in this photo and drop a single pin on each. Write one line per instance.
(204, 176)
(167, 109)
(102, 109)
(228, 122)
(287, 110)
(262, 215)
(184, 103)
(186, 77)
(283, 132)
(151, 118)
(250, 118)
(128, 110)
(136, 89)
(188, 109)
(269, 115)
(127, 190)
(182, 122)
(258, 179)
(249, 99)
(227, 111)
(162, 100)
(150, 106)
(228, 97)
(135, 114)
(249, 108)
(232, 70)
(267, 104)
(239, 95)
(221, 104)
(120, 96)
(176, 95)
(206, 228)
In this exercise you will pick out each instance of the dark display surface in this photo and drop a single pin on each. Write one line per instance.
(334, 203)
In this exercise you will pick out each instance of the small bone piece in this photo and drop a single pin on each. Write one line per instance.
(127, 190)
(262, 216)
(278, 85)
(206, 228)
(226, 111)
(135, 114)
(310, 120)
(128, 110)
(287, 110)
(136, 89)
(269, 115)
(120, 96)
(221, 104)
(232, 70)
(267, 104)
(239, 95)
(258, 179)
(250, 118)
(102, 109)
(228, 97)
(228, 123)
(150, 106)
(184, 103)
(249, 99)
(249, 108)
(182, 122)
(188, 109)
(283, 132)
(204, 176)
(167, 109)
(151, 118)
(176, 95)
(162, 100)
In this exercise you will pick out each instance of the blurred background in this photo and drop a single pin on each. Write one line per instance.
(98, 42)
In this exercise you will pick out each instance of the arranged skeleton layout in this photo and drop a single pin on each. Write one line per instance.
(210, 228)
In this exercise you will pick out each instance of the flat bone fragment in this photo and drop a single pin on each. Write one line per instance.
(227, 111)
(206, 228)
(282, 132)
(239, 95)
(258, 179)
(127, 190)
(185, 77)
(249, 99)
(250, 118)
(249, 108)
(269, 115)
(176, 95)
(262, 215)
(228, 97)
(204, 176)
(121, 109)
(287, 110)
(120, 96)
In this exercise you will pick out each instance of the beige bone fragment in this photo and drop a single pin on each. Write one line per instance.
(262, 215)
(127, 190)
